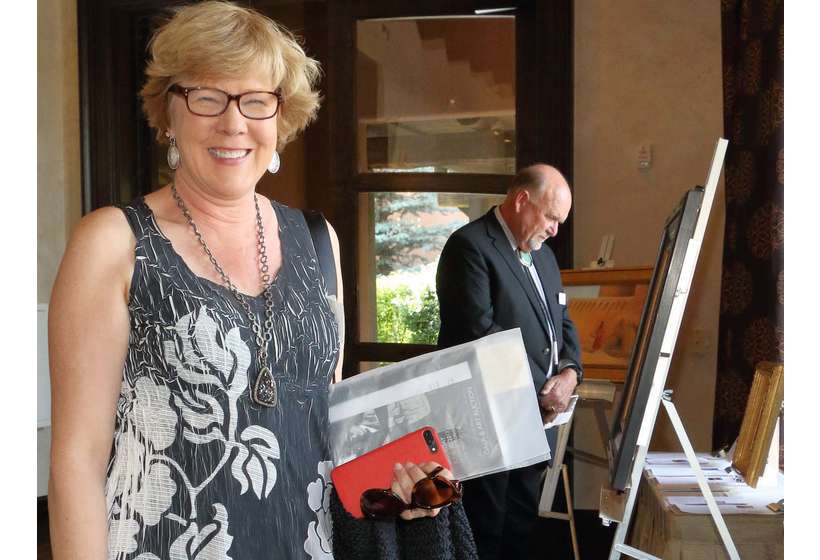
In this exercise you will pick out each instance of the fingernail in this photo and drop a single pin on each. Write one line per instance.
(408, 465)
(397, 467)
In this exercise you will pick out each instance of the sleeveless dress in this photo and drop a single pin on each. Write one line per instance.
(198, 471)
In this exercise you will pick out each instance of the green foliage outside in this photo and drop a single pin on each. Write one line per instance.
(401, 240)
(404, 317)
(404, 243)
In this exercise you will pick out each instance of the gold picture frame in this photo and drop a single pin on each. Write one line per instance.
(605, 305)
(759, 421)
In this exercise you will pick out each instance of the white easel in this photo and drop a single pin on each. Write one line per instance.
(559, 469)
(618, 546)
(658, 395)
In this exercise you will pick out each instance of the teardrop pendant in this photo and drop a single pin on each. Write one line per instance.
(264, 390)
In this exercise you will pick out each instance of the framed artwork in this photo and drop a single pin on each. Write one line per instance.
(759, 421)
(646, 352)
(606, 305)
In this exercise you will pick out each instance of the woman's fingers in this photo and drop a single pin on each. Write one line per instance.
(404, 479)
(430, 466)
(402, 484)
(416, 513)
(415, 472)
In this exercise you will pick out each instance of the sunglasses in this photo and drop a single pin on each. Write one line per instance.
(430, 492)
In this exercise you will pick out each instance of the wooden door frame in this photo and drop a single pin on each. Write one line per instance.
(118, 152)
(544, 127)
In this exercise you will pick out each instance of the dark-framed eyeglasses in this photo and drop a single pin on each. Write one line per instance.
(212, 102)
(431, 492)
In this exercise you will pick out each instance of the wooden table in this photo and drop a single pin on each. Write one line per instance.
(664, 532)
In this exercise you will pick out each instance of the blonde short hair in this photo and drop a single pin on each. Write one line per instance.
(218, 40)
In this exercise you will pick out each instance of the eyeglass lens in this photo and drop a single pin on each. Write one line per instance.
(381, 504)
(433, 492)
(211, 102)
(428, 493)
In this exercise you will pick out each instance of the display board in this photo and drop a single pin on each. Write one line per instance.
(662, 313)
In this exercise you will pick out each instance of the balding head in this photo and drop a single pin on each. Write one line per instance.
(538, 178)
(538, 201)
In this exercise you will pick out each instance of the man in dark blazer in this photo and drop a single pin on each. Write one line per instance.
(496, 273)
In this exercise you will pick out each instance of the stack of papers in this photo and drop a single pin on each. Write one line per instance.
(479, 397)
(677, 483)
(564, 417)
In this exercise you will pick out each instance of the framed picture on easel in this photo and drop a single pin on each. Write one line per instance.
(644, 391)
(605, 305)
(678, 231)
(759, 421)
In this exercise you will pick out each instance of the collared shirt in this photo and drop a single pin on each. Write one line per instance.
(536, 281)
(531, 269)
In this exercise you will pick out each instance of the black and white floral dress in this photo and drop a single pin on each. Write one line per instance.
(198, 471)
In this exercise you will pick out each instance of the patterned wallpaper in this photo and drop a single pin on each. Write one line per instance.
(751, 310)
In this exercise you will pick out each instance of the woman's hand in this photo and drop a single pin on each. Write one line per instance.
(405, 478)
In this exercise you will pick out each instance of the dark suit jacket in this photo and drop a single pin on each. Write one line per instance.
(482, 289)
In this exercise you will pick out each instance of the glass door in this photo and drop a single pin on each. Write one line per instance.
(435, 95)
(430, 109)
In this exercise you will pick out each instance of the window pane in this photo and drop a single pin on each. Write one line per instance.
(367, 366)
(436, 95)
(400, 239)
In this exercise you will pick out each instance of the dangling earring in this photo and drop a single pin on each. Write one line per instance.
(273, 166)
(173, 154)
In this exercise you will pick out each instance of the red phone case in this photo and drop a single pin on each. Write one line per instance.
(375, 468)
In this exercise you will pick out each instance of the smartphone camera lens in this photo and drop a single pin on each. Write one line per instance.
(431, 441)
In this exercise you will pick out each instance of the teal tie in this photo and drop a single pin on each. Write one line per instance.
(525, 257)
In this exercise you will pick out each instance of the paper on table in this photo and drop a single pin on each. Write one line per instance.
(695, 490)
(676, 481)
(747, 504)
(565, 416)
(685, 470)
(725, 480)
(674, 485)
(667, 458)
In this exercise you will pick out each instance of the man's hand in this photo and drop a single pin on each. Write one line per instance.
(554, 395)
(547, 416)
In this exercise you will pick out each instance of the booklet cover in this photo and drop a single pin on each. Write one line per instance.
(478, 396)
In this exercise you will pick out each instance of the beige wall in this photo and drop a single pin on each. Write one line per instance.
(649, 72)
(58, 158)
(58, 136)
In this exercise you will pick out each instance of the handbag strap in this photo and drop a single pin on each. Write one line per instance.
(324, 250)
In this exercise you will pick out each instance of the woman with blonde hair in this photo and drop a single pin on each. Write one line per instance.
(192, 342)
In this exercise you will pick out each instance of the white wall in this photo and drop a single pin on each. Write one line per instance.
(649, 72)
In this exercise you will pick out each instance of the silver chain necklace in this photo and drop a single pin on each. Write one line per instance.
(264, 390)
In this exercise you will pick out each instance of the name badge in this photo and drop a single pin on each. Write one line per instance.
(562, 298)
